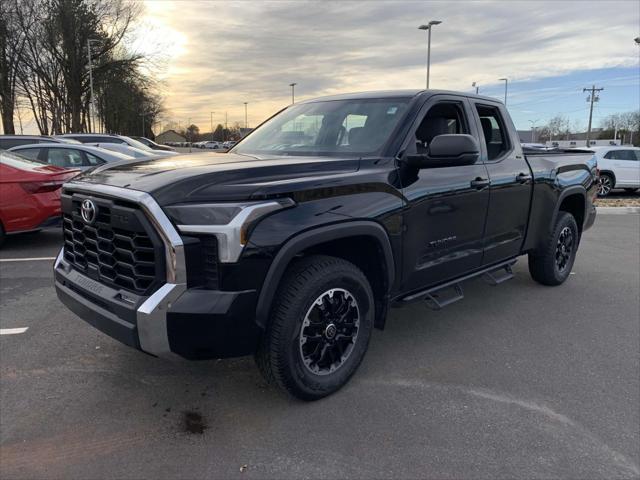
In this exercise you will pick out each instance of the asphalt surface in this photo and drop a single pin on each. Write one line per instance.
(516, 381)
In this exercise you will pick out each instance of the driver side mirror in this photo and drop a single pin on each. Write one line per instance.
(449, 150)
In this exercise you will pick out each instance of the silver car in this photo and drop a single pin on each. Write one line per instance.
(95, 138)
(69, 155)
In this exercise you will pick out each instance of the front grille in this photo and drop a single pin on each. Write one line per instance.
(116, 250)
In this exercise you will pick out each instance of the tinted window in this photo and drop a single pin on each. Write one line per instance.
(31, 153)
(622, 155)
(92, 160)
(64, 157)
(628, 155)
(494, 131)
(7, 143)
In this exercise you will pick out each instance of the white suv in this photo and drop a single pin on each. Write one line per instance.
(619, 168)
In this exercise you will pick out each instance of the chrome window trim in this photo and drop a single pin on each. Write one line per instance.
(151, 316)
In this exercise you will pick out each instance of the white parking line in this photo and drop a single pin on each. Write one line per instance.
(25, 259)
(13, 331)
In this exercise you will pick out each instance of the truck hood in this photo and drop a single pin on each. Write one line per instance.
(219, 177)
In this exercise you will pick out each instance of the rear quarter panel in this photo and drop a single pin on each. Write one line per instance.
(556, 177)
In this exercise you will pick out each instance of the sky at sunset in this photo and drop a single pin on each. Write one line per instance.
(218, 55)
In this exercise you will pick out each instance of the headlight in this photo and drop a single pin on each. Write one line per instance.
(229, 222)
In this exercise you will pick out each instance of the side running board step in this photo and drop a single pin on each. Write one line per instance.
(499, 275)
(439, 299)
(440, 296)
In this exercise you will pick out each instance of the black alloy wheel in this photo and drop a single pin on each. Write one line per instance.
(329, 331)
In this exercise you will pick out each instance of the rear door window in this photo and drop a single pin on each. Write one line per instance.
(494, 132)
(92, 160)
(64, 157)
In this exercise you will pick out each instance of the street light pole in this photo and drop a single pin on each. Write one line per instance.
(474, 84)
(246, 123)
(293, 96)
(533, 129)
(506, 84)
(428, 27)
(212, 139)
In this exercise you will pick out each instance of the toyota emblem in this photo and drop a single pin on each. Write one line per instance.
(88, 211)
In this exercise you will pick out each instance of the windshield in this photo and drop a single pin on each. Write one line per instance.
(336, 127)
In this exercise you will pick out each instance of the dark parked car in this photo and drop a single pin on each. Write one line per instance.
(10, 141)
(293, 246)
(153, 145)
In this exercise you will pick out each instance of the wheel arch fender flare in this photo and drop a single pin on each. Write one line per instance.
(573, 190)
(313, 237)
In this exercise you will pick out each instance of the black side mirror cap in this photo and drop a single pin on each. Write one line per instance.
(449, 150)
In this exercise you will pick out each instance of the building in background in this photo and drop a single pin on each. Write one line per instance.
(170, 136)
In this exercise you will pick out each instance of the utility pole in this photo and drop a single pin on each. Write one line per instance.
(428, 27)
(591, 98)
(226, 118)
(293, 95)
(246, 123)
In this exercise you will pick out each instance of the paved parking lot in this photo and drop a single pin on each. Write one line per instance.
(516, 381)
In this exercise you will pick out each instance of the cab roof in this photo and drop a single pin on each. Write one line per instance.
(409, 93)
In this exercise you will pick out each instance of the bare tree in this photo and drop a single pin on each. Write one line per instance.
(12, 44)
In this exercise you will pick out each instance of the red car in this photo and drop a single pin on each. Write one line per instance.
(29, 194)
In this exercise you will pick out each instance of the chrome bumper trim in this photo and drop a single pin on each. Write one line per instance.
(152, 314)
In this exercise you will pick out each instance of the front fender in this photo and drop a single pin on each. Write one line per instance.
(316, 236)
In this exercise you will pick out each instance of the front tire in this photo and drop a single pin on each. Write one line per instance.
(319, 329)
(552, 264)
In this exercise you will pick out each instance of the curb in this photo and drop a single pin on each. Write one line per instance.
(618, 210)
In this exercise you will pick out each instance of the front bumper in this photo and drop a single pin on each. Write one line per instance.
(173, 321)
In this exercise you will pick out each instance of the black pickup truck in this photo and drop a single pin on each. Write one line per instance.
(294, 245)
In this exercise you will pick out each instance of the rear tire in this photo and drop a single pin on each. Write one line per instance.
(552, 264)
(319, 329)
(3, 235)
(605, 185)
